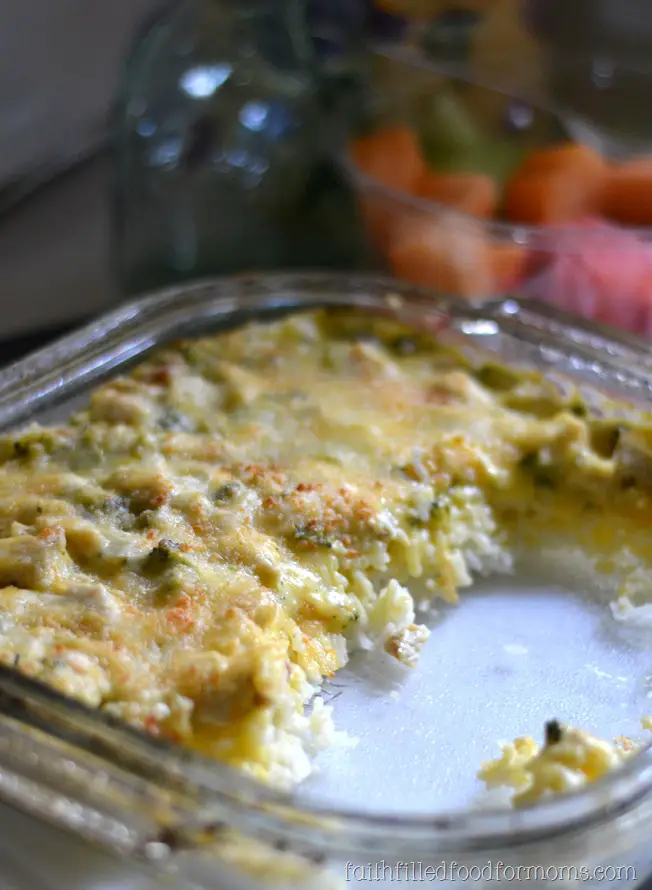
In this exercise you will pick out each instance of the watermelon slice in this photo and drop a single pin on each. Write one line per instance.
(596, 270)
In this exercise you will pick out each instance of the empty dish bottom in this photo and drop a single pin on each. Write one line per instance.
(515, 652)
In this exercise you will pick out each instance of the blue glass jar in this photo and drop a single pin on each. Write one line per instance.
(227, 127)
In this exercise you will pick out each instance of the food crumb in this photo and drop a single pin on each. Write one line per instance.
(569, 759)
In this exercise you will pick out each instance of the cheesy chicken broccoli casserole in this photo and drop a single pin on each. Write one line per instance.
(569, 759)
(202, 545)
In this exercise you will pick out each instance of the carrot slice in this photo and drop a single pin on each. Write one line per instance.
(628, 193)
(392, 156)
(557, 185)
(455, 260)
(543, 160)
(472, 193)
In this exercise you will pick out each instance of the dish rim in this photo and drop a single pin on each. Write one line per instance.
(168, 786)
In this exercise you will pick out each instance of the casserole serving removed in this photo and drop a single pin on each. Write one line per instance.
(272, 515)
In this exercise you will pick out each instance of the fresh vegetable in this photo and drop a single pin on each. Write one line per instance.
(599, 271)
(472, 193)
(561, 156)
(392, 156)
(454, 143)
(461, 260)
(424, 247)
(449, 134)
(499, 159)
(579, 260)
(628, 193)
(556, 185)
(426, 251)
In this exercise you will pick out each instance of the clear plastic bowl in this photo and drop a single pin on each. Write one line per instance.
(586, 265)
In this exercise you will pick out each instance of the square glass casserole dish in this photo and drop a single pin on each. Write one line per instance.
(518, 650)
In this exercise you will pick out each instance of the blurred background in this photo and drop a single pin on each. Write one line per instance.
(59, 64)
(145, 142)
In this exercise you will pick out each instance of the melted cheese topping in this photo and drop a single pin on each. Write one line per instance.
(201, 546)
(568, 761)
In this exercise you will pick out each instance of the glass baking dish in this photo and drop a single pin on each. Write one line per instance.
(171, 811)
